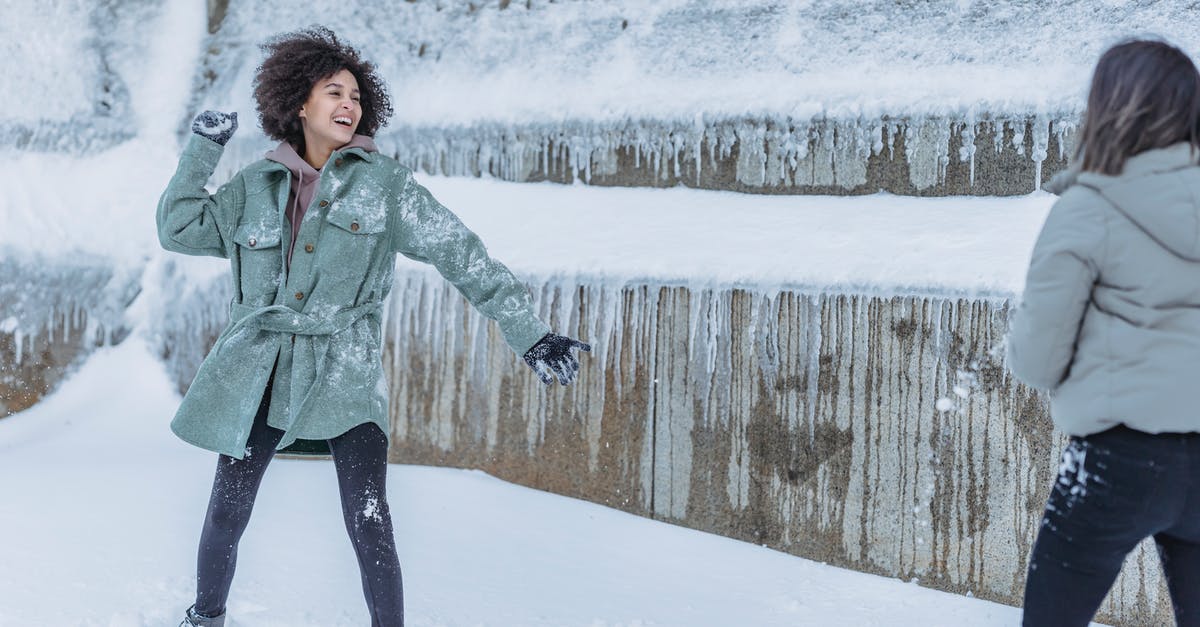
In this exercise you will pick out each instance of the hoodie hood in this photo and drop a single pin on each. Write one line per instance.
(286, 154)
(1159, 191)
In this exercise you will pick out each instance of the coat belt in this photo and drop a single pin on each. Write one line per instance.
(282, 319)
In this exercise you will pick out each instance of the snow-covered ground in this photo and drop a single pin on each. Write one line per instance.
(101, 507)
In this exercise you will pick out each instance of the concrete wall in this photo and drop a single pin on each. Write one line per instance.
(808, 423)
(920, 157)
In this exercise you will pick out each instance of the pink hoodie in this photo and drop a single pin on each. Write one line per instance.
(304, 181)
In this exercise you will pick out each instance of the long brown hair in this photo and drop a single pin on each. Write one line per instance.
(1145, 94)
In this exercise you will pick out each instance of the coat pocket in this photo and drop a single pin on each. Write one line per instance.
(260, 261)
(351, 245)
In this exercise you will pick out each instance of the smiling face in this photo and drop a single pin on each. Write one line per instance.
(331, 114)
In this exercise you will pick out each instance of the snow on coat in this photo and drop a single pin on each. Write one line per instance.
(1109, 321)
(319, 323)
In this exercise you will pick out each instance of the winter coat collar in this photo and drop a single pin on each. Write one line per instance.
(1173, 157)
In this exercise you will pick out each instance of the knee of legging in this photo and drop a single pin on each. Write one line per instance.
(227, 517)
(370, 515)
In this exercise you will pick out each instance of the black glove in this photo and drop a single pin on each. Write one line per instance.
(552, 356)
(215, 125)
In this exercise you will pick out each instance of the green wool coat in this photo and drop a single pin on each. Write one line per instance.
(319, 323)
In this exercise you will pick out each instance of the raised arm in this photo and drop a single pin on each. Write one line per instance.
(190, 220)
(424, 230)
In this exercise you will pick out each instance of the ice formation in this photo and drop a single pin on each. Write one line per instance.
(836, 97)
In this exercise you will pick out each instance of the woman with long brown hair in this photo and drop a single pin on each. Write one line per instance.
(1109, 323)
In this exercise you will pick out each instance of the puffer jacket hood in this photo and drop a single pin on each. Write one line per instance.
(1155, 192)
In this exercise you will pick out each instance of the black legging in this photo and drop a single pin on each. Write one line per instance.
(360, 456)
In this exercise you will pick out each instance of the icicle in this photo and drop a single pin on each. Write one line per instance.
(1041, 140)
(1001, 128)
(1063, 127)
(1018, 140)
(943, 149)
(813, 342)
(614, 300)
(966, 151)
(714, 317)
(936, 314)
(396, 320)
(694, 320)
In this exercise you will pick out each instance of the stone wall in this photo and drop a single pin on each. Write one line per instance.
(917, 156)
(880, 433)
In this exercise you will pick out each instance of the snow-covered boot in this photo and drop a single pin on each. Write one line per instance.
(195, 619)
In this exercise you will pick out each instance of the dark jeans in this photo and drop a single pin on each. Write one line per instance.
(1114, 489)
(360, 457)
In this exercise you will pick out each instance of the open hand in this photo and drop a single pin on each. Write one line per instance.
(551, 357)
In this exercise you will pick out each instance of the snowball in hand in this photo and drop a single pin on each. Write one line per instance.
(215, 125)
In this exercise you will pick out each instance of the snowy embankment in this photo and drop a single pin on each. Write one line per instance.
(877, 243)
(101, 509)
(688, 60)
(873, 244)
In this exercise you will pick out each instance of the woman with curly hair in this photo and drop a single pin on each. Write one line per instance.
(311, 233)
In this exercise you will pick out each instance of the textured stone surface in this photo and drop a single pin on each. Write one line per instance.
(809, 423)
(920, 157)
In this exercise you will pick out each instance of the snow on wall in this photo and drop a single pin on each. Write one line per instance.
(72, 61)
(755, 96)
(107, 79)
(462, 63)
(928, 156)
(52, 313)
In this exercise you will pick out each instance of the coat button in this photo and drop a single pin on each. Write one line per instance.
(338, 163)
(354, 226)
(324, 203)
(299, 295)
(308, 248)
(253, 242)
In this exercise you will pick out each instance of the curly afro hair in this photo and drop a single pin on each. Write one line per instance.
(295, 62)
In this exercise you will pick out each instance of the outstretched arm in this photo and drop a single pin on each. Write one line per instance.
(424, 230)
(190, 220)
